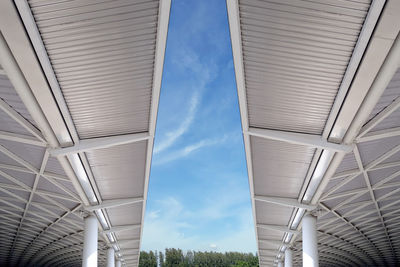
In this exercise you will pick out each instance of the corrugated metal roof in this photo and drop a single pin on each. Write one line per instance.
(8, 95)
(103, 60)
(295, 54)
(129, 160)
(279, 168)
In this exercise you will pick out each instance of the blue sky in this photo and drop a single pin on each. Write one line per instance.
(198, 193)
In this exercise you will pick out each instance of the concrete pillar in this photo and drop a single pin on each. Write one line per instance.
(110, 257)
(118, 263)
(288, 257)
(90, 242)
(310, 243)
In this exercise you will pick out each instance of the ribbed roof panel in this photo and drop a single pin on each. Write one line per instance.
(279, 168)
(102, 53)
(295, 54)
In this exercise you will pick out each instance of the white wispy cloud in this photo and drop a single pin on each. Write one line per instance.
(189, 149)
(165, 227)
(176, 225)
(189, 63)
(172, 136)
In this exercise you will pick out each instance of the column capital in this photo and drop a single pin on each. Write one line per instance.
(85, 214)
(291, 247)
(315, 212)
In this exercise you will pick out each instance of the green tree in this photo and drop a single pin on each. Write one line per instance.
(173, 257)
(148, 259)
(176, 258)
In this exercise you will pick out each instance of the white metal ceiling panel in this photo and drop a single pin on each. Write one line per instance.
(293, 66)
(279, 168)
(129, 160)
(103, 60)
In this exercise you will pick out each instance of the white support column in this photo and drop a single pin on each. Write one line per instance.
(288, 257)
(118, 263)
(310, 244)
(110, 257)
(90, 242)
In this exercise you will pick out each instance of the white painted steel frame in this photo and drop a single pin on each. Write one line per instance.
(28, 168)
(99, 143)
(234, 26)
(88, 144)
(299, 139)
(368, 27)
(377, 244)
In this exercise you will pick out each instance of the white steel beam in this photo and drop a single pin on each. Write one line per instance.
(299, 139)
(121, 228)
(31, 195)
(288, 202)
(21, 120)
(380, 117)
(44, 230)
(357, 171)
(162, 31)
(273, 242)
(351, 225)
(35, 171)
(23, 187)
(363, 255)
(21, 161)
(280, 228)
(114, 203)
(380, 159)
(131, 257)
(369, 167)
(46, 174)
(372, 194)
(235, 33)
(38, 255)
(375, 135)
(99, 143)
(124, 241)
(25, 139)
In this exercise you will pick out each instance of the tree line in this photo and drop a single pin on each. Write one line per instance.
(178, 258)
